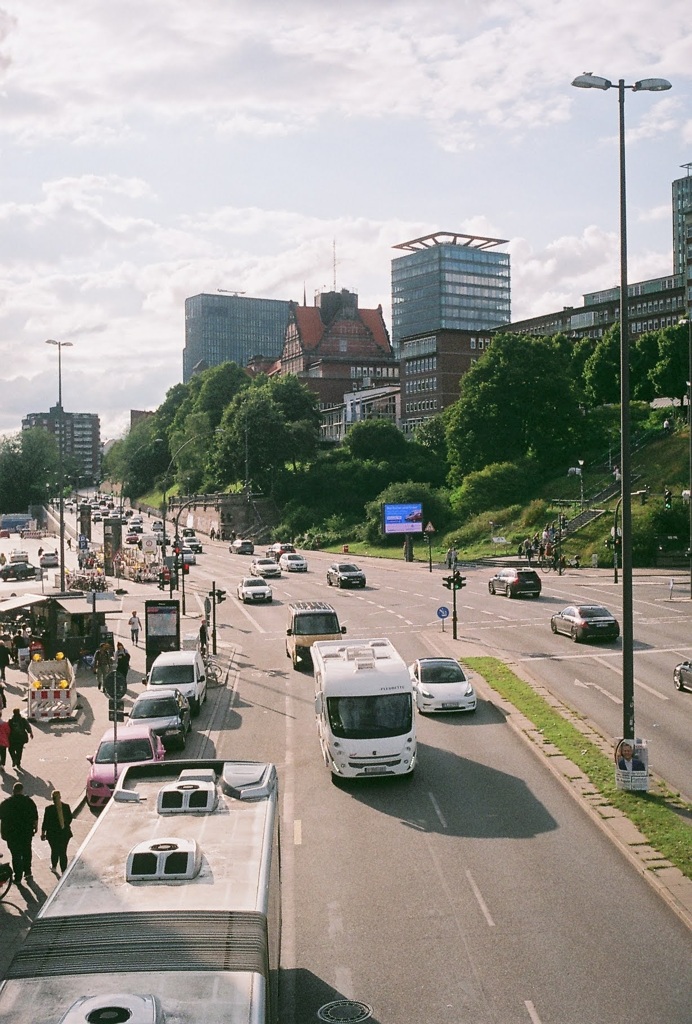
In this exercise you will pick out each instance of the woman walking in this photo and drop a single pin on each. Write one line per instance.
(57, 819)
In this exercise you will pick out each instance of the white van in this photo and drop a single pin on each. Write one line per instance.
(309, 621)
(184, 671)
(364, 708)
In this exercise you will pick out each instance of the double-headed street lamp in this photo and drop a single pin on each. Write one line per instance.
(61, 455)
(589, 81)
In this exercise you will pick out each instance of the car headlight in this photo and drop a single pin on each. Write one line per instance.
(426, 694)
(469, 690)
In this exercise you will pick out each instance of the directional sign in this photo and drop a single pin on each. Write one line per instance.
(442, 612)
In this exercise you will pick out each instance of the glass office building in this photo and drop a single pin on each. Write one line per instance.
(231, 328)
(449, 281)
(682, 208)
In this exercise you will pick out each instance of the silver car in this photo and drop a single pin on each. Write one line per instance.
(166, 712)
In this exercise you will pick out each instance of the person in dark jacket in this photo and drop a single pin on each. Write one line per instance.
(5, 659)
(20, 734)
(122, 661)
(55, 827)
(18, 825)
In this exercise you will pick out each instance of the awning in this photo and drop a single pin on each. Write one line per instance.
(84, 606)
(23, 601)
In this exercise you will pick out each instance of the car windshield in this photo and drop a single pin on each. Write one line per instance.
(441, 672)
(594, 612)
(128, 750)
(370, 717)
(160, 707)
(318, 624)
(254, 583)
(266, 561)
(348, 568)
(169, 675)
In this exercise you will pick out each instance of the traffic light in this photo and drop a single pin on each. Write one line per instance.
(448, 582)
(454, 582)
(667, 499)
(220, 595)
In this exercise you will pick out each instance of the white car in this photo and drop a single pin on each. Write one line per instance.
(188, 556)
(292, 562)
(440, 684)
(254, 589)
(265, 567)
(18, 556)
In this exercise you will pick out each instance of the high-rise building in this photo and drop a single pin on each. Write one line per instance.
(448, 293)
(682, 205)
(81, 438)
(231, 328)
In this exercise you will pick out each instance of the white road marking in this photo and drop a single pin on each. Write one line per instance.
(297, 832)
(595, 686)
(481, 902)
(438, 812)
(535, 1019)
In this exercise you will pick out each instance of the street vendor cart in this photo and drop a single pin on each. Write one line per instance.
(51, 689)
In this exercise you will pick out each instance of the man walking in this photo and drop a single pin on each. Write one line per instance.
(18, 825)
(20, 734)
(135, 626)
(103, 663)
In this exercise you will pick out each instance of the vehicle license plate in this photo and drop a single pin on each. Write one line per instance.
(375, 769)
(455, 705)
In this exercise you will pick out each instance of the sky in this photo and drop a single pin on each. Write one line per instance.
(150, 151)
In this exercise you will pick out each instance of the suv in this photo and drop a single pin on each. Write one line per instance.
(193, 543)
(308, 622)
(515, 582)
(17, 571)
(242, 547)
(181, 670)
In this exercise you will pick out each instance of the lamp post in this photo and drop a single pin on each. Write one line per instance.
(581, 483)
(61, 456)
(688, 320)
(589, 81)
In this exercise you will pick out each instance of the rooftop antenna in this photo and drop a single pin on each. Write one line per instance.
(229, 291)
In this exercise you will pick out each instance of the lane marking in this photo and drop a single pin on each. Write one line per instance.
(601, 689)
(297, 832)
(531, 1010)
(481, 902)
(438, 812)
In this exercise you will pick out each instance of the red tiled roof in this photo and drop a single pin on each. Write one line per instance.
(312, 330)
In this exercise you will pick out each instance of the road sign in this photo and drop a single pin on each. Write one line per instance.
(115, 686)
(442, 612)
(430, 528)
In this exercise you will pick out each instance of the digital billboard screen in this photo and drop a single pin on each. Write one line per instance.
(402, 518)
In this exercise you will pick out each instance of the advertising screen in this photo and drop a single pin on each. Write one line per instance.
(402, 518)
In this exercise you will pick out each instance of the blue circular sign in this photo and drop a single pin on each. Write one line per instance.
(442, 612)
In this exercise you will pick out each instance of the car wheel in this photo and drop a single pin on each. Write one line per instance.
(491, 588)
(508, 592)
(575, 635)
(341, 584)
(194, 708)
(553, 626)
(678, 682)
(329, 581)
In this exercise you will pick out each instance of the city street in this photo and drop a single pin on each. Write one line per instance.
(478, 890)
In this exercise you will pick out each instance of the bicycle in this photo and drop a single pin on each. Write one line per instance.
(214, 674)
(6, 878)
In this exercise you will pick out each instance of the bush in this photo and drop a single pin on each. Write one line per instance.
(494, 486)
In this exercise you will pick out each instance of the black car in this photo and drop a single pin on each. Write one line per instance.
(515, 582)
(586, 622)
(17, 571)
(345, 574)
(682, 675)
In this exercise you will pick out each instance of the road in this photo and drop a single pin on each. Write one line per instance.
(476, 892)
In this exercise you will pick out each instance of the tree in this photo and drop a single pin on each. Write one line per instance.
(252, 443)
(29, 468)
(376, 440)
(670, 374)
(602, 369)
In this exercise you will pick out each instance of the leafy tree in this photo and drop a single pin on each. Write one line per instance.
(493, 487)
(376, 440)
(436, 509)
(218, 387)
(252, 443)
(602, 369)
(643, 358)
(671, 372)
(431, 435)
(29, 468)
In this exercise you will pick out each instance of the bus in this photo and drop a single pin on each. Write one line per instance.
(364, 708)
(170, 910)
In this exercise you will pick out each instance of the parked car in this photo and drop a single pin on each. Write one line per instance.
(49, 560)
(265, 567)
(167, 713)
(182, 670)
(440, 684)
(19, 556)
(17, 571)
(135, 745)
(345, 574)
(242, 547)
(586, 622)
(254, 589)
(292, 562)
(277, 550)
(515, 583)
(682, 675)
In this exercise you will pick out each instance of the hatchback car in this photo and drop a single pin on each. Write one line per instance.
(242, 547)
(135, 745)
(17, 571)
(682, 675)
(166, 712)
(345, 574)
(188, 556)
(254, 589)
(265, 567)
(277, 550)
(292, 562)
(515, 583)
(440, 684)
(49, 560)
(586, 622)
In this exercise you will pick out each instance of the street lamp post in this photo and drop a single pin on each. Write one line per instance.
(581, 483)
(61, 456)
(688, 320)
(589, 81)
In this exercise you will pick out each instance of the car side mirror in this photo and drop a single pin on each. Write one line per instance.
(90, 758)
(289, 632)
(343, 629)
(318, 704)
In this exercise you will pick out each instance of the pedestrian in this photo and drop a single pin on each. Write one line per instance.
(103, 662)
(69, 543)
(5, 659)
(18, 825)
(449, 558)
(212, 533)
(671, 585)
(40, 552)
(203, 637)
(122, 661)
(4, 741)
(55, 828)
(454, 558)
(20, 734)
(135, 626)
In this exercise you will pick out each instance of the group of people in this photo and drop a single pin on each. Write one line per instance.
(107, 660)
(15, 733)
(19, 824)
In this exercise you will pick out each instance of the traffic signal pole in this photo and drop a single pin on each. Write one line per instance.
(454, 582)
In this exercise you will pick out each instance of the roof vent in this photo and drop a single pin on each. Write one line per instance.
(194, 792)
(248, 780)
(168, 859)
(115, 1008)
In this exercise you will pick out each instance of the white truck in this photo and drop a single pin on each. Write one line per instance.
(364, 708)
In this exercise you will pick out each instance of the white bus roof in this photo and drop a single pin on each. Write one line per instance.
(360, 666)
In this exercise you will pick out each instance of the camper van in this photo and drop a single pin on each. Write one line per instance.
(308, 622)
(364, 708)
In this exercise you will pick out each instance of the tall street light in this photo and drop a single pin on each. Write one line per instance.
(589, 81)
(688, 320)
(61, 455)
